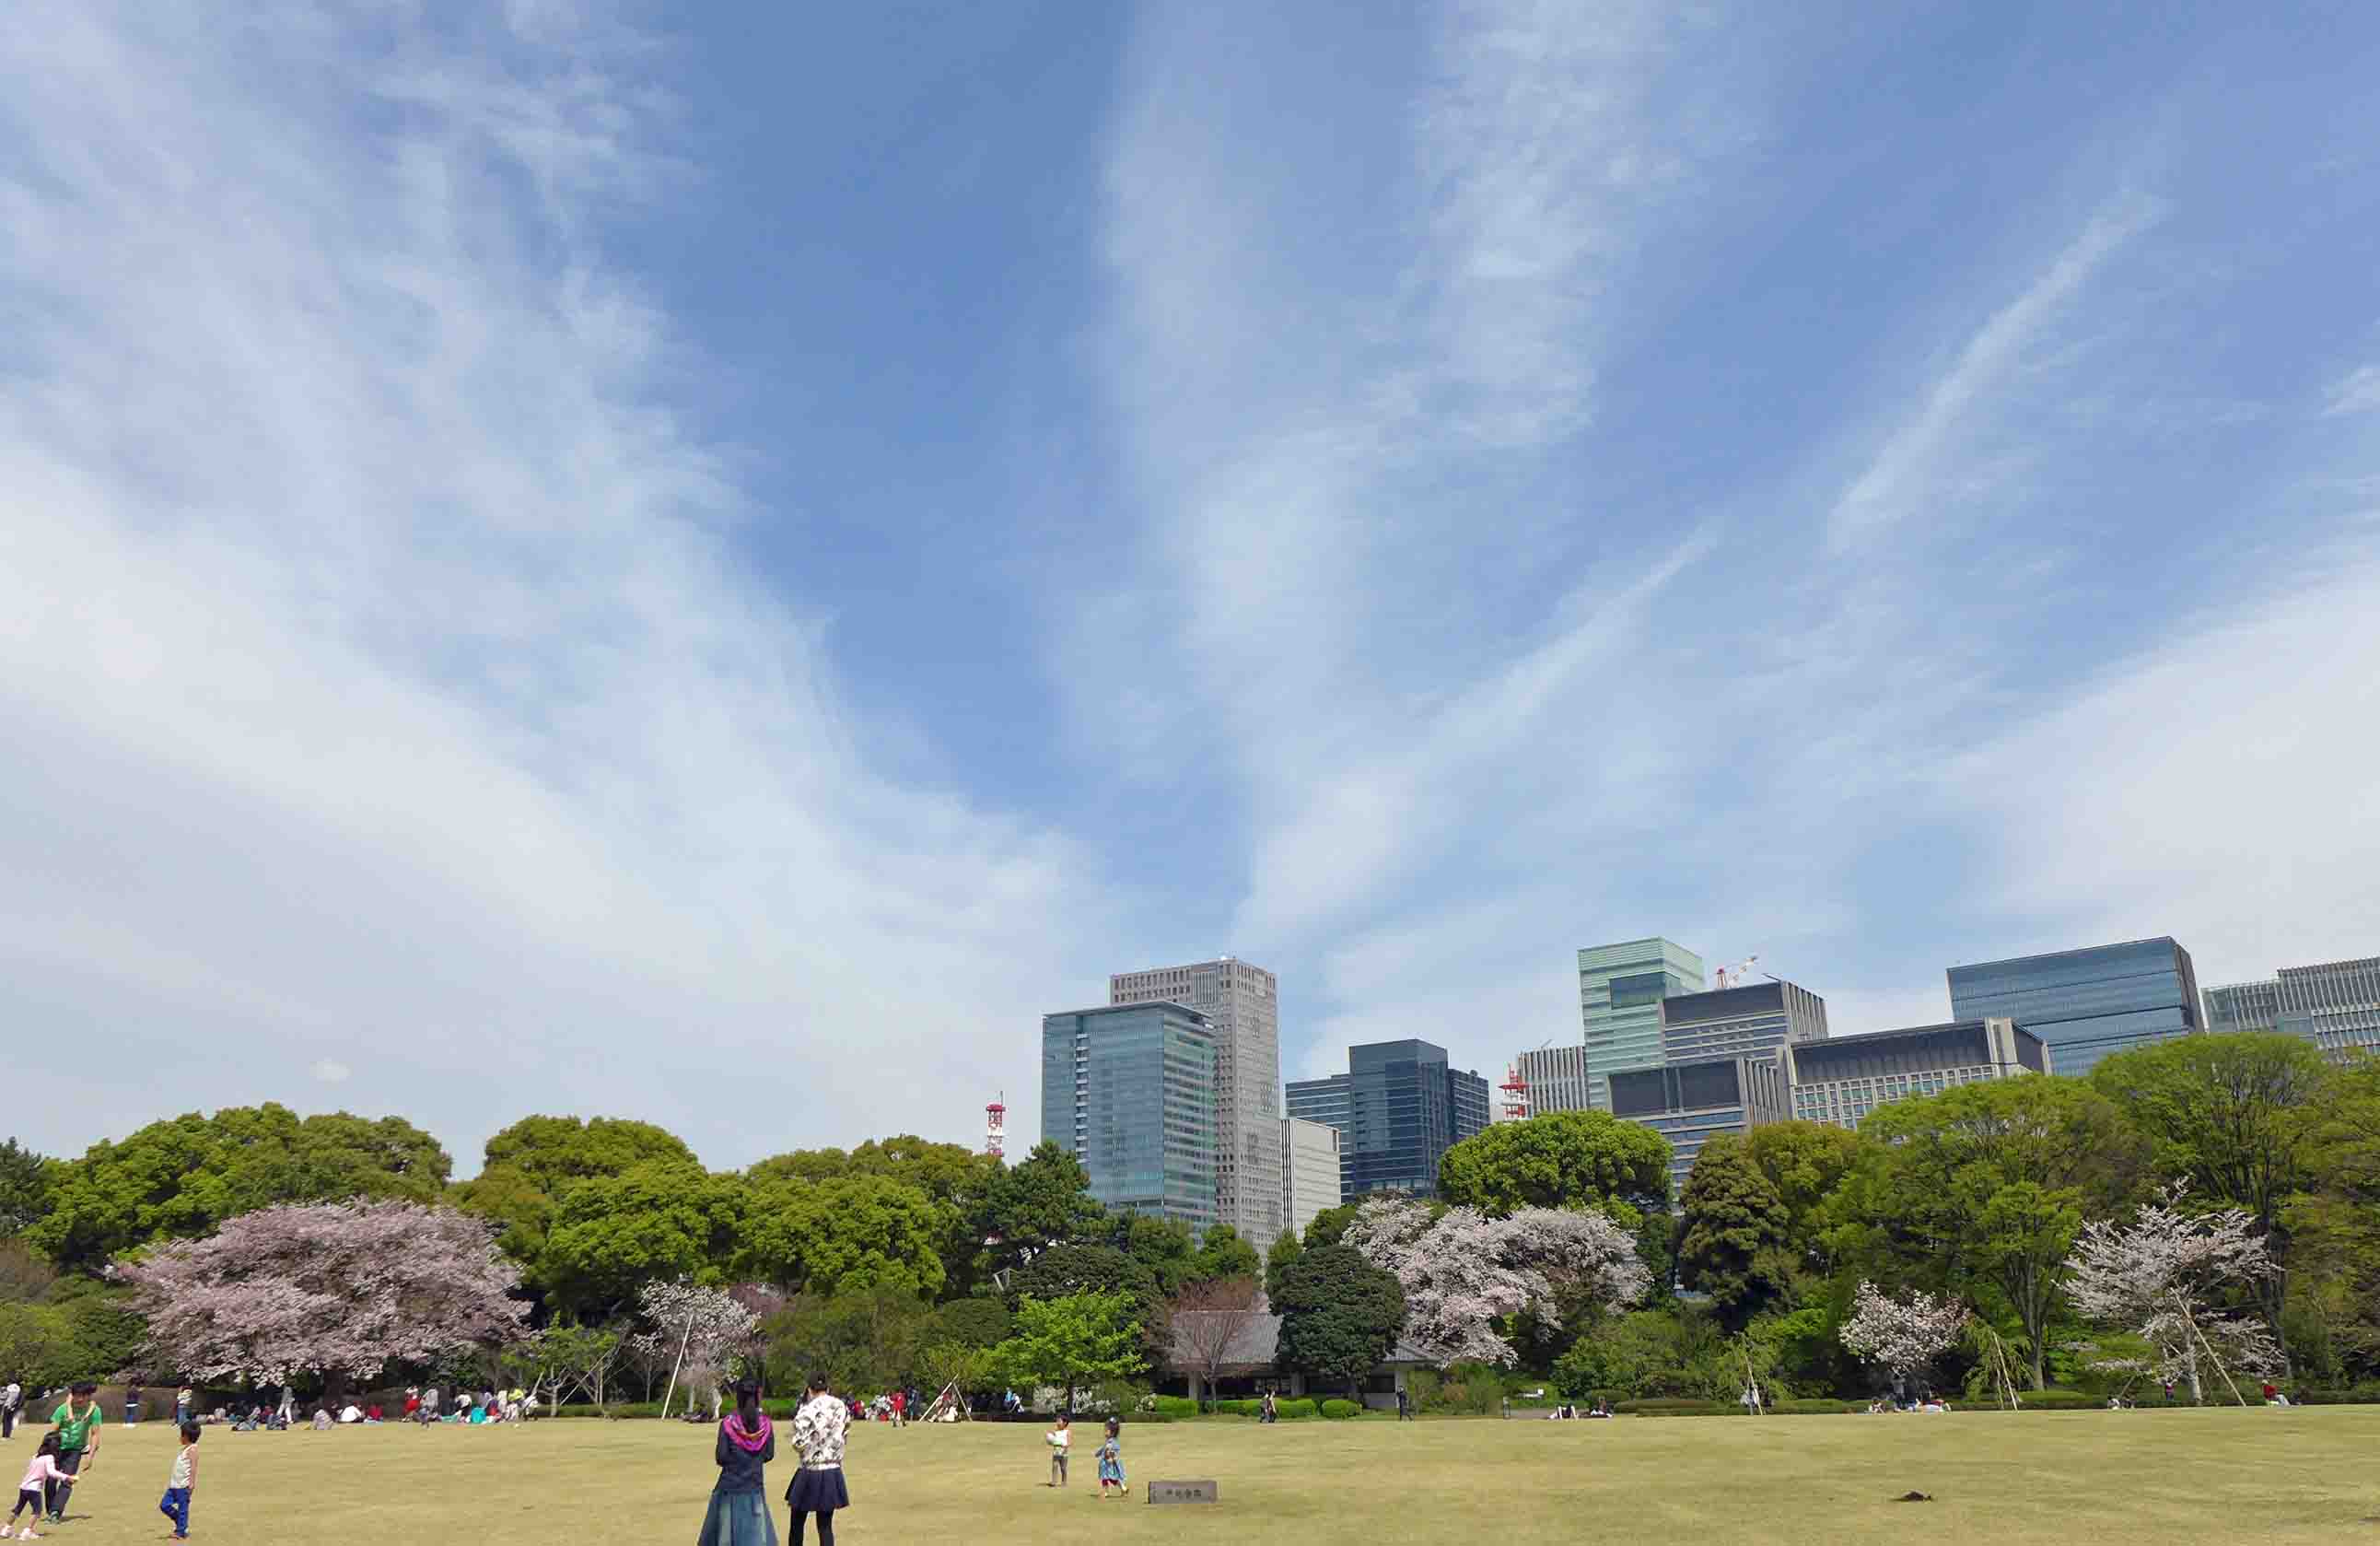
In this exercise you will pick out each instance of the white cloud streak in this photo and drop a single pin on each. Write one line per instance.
(383, 690)
(1922, 464)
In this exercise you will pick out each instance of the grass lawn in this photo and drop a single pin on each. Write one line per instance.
(2170, 1478)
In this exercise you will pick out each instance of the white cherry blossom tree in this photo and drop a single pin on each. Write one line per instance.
(1462, 1273)
(2158, 1277)
(1904, 1335)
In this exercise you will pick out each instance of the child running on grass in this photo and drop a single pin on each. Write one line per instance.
(176, 1504)
(1112, 1463)
(44, 1469)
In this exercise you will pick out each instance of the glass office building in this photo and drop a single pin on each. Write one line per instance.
(2086, 1004)
(1620, 992)
(1757, 1020)
(1398, 1108)
(1131, 1091)
(1690, 1104)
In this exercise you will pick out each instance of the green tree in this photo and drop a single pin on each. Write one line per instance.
(956, 1179)
(528, 1166)
(971, 1323)
(1165, 1246)
(1223, 1255)
(1070, 1341)
(1340, 1315)
(1043, 1199)
(1980, 1190)
(27, 1180)
(2238, 1117)
(1277, 1260)
(613, 1233)
(858, 1231)
(1558, 1159)
(1733, 1245)
(864, 1339)
(1806, 1162)
(182, 1177)
(2333, 1227)
(1327, 1227)
(1062, 1271)
(37, 1347)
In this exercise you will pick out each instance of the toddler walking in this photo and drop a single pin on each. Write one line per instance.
(44, 1468)
(1111, 1462)
(176, 1504)
(1061, 1438)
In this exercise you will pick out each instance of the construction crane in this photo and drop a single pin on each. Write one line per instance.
(1733, 976)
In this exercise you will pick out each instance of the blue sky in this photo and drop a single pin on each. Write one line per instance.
(712, 564)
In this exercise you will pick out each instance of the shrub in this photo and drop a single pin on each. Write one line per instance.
(1338, 1408)
(1173, 1406)
(1301, 1407)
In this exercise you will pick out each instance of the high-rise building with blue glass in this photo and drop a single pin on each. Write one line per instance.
(1130, 1090)
(1758, 1018)
(2336, 1005)
(1691, 1103)
(2086, 1004)
(1620, 992)
(1397, 1109)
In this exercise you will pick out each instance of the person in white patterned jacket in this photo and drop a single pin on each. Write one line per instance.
(819, 1431)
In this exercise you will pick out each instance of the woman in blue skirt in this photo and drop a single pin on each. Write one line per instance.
(818, 1429)
(739, 1510)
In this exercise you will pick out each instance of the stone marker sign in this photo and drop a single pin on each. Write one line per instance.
(1182, 1492)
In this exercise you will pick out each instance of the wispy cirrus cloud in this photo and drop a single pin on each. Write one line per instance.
(388, 703)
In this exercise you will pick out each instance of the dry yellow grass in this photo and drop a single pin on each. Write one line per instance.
(2169, 1478)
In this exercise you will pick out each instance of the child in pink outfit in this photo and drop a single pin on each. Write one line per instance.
(29, 1492)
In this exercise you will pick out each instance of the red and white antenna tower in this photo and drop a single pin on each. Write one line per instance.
(1516, 1094)
(995, 1126)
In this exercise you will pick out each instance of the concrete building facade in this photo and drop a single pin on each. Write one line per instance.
(1556, 1079)
(1310, 1173)
(1242, 1002)
(1839, 1081)
(2086, 1004)
(1691, 1103)
(1758, 1019)
(1130, 1090)
(1620, 992)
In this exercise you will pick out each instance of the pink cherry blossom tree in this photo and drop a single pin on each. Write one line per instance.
(339, 1290)
(1904, 1335)
(2158, 1277)
(1462, 1271)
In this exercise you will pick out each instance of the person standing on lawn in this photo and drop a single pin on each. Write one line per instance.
(181, 1482)
(739, 1511)
(819, 1430)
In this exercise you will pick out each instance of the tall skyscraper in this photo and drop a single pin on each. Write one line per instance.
(1131, 1092)
(1620, 992)
(1309, 1172)
(1397, 1109)
(1839, 1081)
(2336, 1005)
(2086, 1004)
(1242, 1002)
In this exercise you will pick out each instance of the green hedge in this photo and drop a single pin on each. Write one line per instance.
(1173, 1406)
(1339, 1408)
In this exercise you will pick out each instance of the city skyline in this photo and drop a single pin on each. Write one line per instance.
(673, 550)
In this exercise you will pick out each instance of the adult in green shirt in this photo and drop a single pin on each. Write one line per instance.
(78, 1425)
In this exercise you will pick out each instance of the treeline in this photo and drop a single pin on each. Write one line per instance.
(903, 1262)
(884, 1264)
(1978, 1193)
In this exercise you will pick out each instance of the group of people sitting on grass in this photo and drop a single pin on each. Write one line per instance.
(1568, 1412)
(1929, 1402)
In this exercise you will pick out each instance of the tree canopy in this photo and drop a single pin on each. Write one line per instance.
(1563, 1159)
(1339, 1314)
(181, 1178)
(1734, 1240)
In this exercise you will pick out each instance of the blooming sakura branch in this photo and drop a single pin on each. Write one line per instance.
(2159, 1277)
(1904, 1335)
